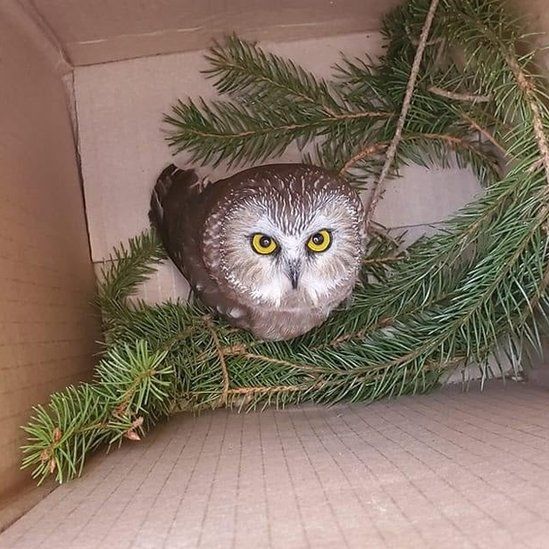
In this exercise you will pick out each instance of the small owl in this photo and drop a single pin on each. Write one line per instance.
(274, 248)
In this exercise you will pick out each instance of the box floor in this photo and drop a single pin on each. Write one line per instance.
(449, 469)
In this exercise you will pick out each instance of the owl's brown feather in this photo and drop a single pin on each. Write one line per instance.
(179, 206)
(201, 227)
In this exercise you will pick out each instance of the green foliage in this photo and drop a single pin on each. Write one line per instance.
(132, 385)
(245, 72)
(475, 289)
(125, 270)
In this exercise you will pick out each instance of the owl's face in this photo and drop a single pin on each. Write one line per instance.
(293, 246)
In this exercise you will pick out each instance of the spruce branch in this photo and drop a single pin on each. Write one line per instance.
(527, 87)
(221, 354)
(244, 70)
(377, 189)
(364, 153)
(473, 154)
(237, 133)
(129, 267)
(485, 133)
(131, 384)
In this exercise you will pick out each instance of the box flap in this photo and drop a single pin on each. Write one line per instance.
(96, 31)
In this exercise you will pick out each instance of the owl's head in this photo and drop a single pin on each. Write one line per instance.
(290, 239)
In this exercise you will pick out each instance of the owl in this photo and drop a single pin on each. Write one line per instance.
(273, 249)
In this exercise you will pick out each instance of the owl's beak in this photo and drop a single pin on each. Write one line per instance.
(294, 270)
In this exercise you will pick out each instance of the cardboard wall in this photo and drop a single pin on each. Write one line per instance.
(47, 324)
(97, 31)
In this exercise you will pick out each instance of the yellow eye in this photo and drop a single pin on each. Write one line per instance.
(320, 242)
(263, 244)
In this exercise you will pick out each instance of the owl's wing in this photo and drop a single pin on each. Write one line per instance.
(179, 207)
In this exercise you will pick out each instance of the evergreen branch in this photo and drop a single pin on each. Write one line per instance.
(243, 69)
(375, 195)
(131, 383)
(381, 260)
(222, 363)
(360, 84)
(251, 133)
(485, 133)
(487, 168)
(366, 152)
(278, 362)
(528, 89)
(61, 435)
(454, 142)
(126, 270)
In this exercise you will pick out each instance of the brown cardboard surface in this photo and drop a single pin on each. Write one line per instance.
(96, 31)
(448, 470)
(99, 31)
(23, 15)
(47, 325)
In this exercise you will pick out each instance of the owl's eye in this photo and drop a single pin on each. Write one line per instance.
(263, 244)
(320, 241)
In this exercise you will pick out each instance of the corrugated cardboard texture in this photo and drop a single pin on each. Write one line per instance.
(47, 326)
(96, 31)
(448, 470)
(120, 107)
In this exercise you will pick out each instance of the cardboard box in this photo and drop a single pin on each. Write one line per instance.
(84, 84)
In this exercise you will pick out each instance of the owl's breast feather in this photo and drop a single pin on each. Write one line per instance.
(281, 324)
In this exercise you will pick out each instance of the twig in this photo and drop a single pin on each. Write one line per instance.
(537, 121)
(128, 393)
(391, 151)
(241, 350)
(483, 131)
(285, 127)
(414, 41)
(362, 154)
(382, 232)
(222, 363)
(470, 97)
(271, 360)
(267, 389)
(452, 139)
(381, 260)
